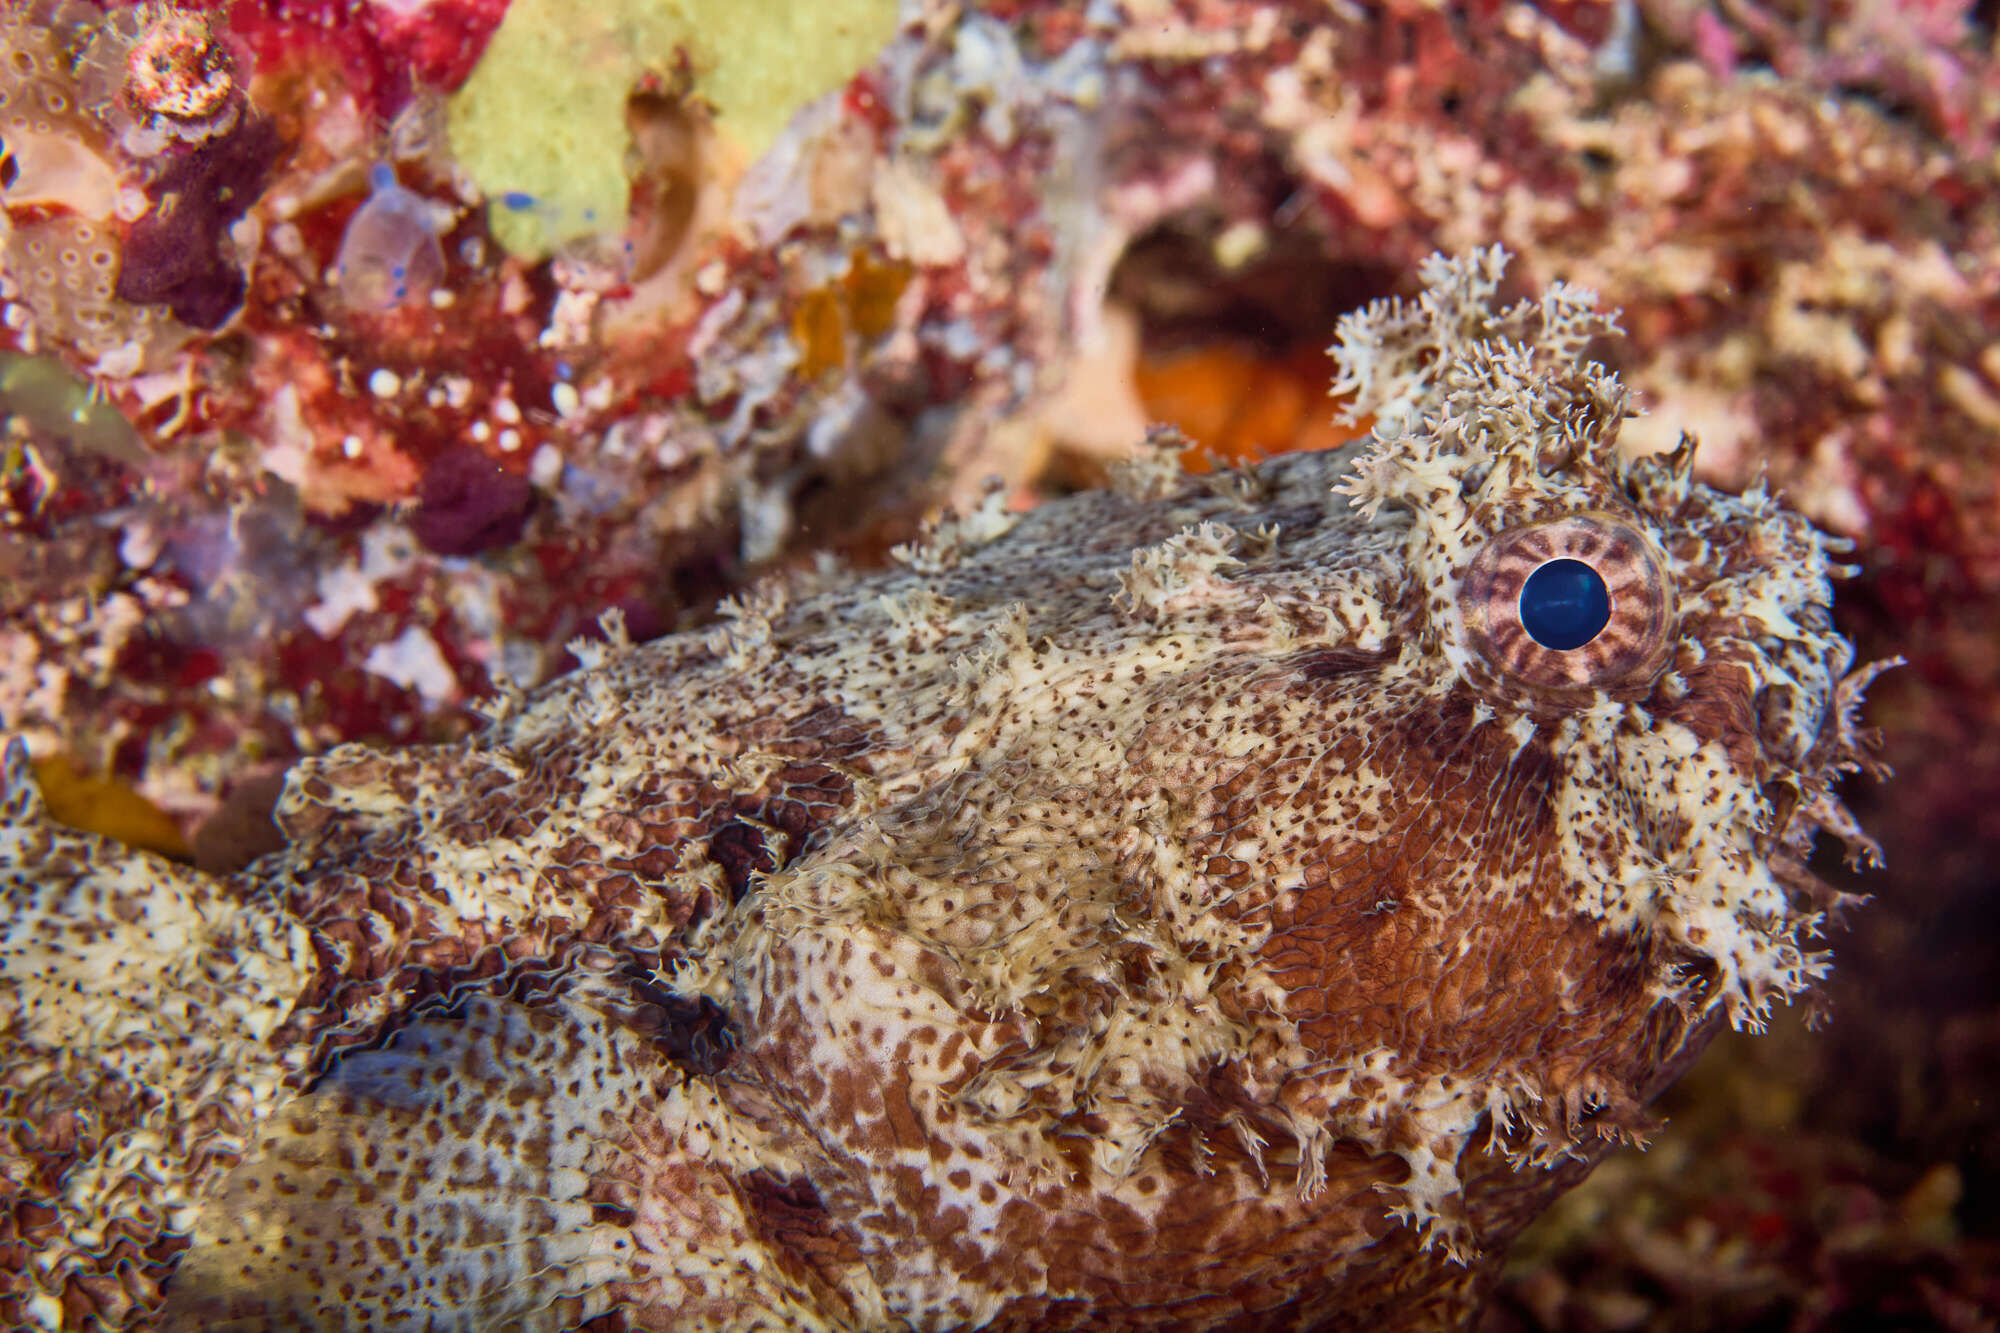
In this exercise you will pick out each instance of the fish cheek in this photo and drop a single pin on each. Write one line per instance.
(1439, 925)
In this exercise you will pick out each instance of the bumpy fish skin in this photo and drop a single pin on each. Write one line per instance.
(1187, 905)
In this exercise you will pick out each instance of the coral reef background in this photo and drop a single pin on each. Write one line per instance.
(324, 416)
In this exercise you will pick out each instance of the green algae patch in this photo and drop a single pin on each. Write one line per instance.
(540, 125)
(52, 400)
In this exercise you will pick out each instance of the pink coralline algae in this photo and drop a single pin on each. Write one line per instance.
(385, 51)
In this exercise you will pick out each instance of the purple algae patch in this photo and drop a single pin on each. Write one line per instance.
(471, 504)
(175, 255)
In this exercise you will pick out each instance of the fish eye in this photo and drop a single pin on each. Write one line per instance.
(1571, 603)
(1564, 604)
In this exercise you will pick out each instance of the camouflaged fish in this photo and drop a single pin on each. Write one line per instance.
(1240, 900)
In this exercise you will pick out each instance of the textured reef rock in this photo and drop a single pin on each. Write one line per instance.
(1208, 900)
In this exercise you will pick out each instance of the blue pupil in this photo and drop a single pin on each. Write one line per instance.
(1564, 605)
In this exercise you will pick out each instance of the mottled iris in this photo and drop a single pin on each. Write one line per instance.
(1564, 605)
(1568, 605)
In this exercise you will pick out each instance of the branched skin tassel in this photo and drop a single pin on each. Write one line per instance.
(1231, 901)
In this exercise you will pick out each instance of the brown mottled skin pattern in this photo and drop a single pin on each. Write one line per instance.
(1193, 905)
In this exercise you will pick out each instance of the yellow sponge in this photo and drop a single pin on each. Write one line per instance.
(540, 125)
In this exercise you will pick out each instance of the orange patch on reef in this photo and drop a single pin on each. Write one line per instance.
(1240, 405)
(860, 305)
(107, 806)
(821, 333)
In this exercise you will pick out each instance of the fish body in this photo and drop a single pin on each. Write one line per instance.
(1199, 903)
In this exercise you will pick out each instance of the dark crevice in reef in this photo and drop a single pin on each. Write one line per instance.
(1287, 297)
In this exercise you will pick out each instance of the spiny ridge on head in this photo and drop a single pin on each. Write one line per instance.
(1466, 395)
